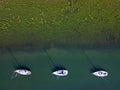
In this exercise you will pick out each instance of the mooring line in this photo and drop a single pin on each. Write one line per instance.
(88, 59)
(50, 60)
(14, 60)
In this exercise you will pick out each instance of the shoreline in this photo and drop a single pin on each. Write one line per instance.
(58, 46)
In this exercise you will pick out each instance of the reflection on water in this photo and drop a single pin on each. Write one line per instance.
(73, 58)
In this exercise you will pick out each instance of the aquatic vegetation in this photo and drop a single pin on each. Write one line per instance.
(59, 22)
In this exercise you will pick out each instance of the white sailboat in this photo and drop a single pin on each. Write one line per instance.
(23, 72)
(60, 72)
(100, 73)
(57, 70)
(97, 71)
(19, 69)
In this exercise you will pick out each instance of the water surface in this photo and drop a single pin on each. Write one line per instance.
(73, 59)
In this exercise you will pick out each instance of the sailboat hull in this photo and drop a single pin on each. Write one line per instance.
(60, 73)
(100, 73)
(23, 72)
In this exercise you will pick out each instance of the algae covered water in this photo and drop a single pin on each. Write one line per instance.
(60, 22)
(79, 77)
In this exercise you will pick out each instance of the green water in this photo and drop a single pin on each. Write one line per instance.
(73, 59)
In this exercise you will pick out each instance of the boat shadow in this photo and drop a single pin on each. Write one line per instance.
(96, 68)
(58, 67)
(22, 66)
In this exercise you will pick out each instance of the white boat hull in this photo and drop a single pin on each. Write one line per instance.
(23, 72)
(100, 73)
(61, 73)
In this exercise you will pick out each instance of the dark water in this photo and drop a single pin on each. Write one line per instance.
(74, 60)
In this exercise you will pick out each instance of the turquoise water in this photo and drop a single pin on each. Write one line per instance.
(73, 59)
